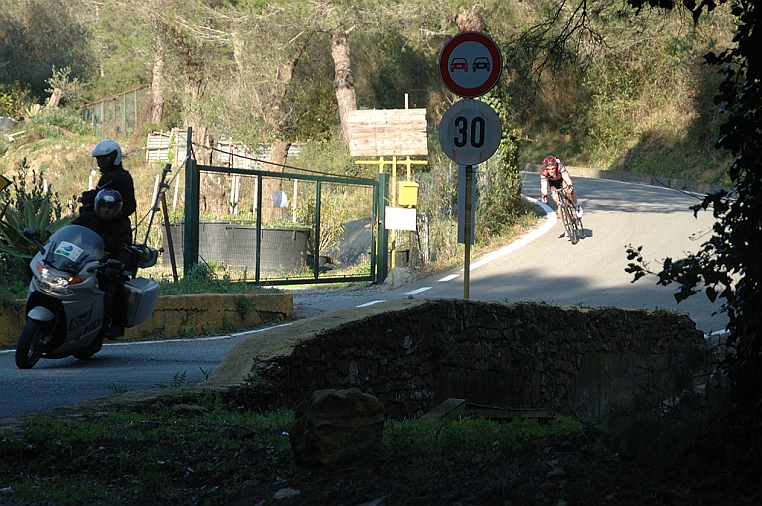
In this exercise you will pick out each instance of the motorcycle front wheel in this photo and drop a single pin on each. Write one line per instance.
(32, 343)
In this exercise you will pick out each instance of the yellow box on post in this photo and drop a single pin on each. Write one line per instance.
(408, 194)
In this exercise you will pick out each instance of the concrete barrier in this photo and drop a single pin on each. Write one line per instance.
(181, 315)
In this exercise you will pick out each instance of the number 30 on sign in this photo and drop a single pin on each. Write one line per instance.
(470, 132)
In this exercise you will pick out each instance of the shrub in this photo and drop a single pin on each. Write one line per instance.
(31, 204)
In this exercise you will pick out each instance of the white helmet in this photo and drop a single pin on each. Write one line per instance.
(107, 147)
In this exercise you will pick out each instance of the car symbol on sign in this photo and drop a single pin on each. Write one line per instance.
(481, 62)
(458, 64)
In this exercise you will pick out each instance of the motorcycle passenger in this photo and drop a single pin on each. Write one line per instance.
(106, 219)
(108, 155)
(553, 176)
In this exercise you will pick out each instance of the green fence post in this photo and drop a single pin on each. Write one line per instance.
(382, 258)
(190, 231)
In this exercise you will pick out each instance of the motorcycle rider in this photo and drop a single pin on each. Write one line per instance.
(106, 219)
(108, 155)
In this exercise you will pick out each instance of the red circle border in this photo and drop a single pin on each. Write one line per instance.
(486, 41)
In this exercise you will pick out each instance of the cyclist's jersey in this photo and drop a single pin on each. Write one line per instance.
(545, 176)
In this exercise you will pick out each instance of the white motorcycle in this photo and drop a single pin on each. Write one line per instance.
(64, 305)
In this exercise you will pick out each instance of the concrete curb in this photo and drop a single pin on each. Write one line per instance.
(182, 315)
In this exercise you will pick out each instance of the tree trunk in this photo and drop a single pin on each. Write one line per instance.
(212, 195)
(344, 79)
(157, 106)
(278, 154)
(55, 98)
(279, 89)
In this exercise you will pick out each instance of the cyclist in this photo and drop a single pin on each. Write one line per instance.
(553, 176)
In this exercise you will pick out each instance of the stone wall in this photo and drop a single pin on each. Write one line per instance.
(413, 354)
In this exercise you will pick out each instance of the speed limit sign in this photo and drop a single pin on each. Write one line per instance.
(470, 132)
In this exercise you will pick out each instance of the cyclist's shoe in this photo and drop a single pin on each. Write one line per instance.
(562, 235)
(580, 212)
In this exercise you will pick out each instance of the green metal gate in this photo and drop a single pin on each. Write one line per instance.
(316, 273)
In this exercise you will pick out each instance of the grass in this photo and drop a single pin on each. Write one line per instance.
(225, 449)
(232, 447)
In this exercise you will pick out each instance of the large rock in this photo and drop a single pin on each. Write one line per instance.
(335, 428)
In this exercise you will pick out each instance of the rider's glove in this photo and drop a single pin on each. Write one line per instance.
(544, 199)
(87, 200)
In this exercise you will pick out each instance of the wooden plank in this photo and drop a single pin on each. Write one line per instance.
(387, 132)
(448, 409)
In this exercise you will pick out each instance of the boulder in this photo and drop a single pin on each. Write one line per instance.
(335, 428)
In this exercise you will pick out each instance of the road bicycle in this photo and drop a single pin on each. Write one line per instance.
(567, 210)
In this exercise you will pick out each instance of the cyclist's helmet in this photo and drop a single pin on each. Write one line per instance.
(108, 203)
(550, 161)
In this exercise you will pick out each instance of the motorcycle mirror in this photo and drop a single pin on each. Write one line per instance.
(31, 234)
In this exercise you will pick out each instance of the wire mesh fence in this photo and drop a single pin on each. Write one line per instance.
(118, 115)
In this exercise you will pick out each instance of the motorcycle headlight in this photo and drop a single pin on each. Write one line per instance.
(55, 284)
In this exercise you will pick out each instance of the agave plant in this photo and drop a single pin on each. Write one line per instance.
(31, 206)
(13, 222)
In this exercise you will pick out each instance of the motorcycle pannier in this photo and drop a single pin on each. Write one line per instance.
(142, 295)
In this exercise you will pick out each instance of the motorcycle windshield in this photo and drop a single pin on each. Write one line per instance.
(72, 246)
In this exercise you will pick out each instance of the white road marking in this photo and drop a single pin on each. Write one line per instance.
(550, 221)
(370, 303)
(196, 339)
(448, 278)
(419, 290)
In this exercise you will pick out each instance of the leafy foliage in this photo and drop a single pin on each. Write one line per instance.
(727, 265)
(31, 205)
(14, 99)
(500, 201)
(71, 87)
(41, 35)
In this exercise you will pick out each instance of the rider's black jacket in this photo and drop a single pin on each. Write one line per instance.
(116, 234)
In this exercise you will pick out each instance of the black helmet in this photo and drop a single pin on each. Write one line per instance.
(550, 161)
(108, 204)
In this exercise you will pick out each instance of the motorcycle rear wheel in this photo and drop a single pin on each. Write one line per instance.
(32, 341)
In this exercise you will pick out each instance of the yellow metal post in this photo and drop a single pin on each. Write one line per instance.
(394, 190)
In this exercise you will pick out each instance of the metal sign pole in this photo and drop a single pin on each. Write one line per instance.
(467, 233)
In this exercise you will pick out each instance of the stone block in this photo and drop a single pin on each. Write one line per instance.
(336, 428)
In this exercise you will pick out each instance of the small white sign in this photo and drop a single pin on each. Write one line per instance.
(400, 218)
(68, 250)
(280, 200)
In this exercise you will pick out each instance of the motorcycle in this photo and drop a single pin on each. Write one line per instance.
(64, 305)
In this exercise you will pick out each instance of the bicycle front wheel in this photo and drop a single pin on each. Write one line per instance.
(567, 218)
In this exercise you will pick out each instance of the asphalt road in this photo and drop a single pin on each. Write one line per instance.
(544, 267)
(538, 267)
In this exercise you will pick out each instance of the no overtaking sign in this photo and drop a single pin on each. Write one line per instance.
(470, 64)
